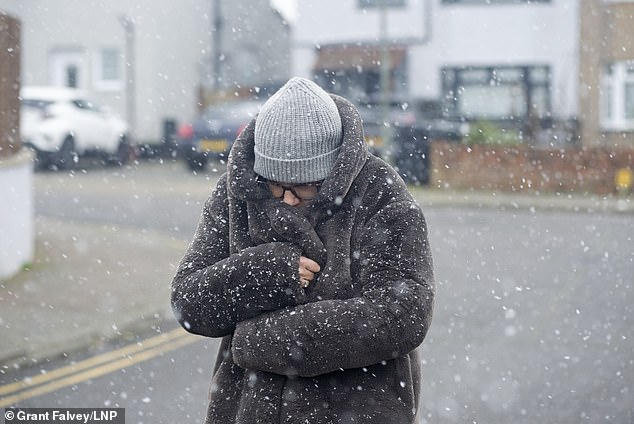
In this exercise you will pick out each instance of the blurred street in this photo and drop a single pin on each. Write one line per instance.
(533, 314)
(516, 116)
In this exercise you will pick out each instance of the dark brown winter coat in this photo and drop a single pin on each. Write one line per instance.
(345, 349)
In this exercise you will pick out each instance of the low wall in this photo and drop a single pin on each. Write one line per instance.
(521, 168)
(17, 233)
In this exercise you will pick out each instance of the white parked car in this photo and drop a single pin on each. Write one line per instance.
(61, 124)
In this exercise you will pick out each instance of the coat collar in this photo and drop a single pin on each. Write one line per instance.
(242, 182)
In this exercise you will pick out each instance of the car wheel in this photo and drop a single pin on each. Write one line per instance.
(66, 157)
(41, 161)
(122, 155)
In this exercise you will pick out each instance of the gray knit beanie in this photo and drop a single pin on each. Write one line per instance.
(297, 134)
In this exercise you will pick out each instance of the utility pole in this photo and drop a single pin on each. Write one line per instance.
(216, 42)
(130, 81)
(386, 129)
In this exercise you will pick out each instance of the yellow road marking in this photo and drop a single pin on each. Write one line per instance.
(94, 367)
(91, 362)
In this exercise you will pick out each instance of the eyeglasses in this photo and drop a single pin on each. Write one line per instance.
(301, 191)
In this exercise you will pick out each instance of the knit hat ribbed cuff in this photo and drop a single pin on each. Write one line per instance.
(296, 171)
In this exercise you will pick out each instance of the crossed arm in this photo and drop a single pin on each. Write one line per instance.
(256, 296)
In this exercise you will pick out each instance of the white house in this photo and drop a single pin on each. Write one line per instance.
(83, 44)
(494, 59)
(149, 60)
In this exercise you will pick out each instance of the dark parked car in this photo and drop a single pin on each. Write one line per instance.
(403, 135)
(212, 134)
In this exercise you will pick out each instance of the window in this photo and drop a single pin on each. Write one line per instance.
(85, 105)
(36, 103)
(617, 96)
(364, 4)
(490, 2)
(71, 76)
(354, 71)
(504, 92)
(108, 73)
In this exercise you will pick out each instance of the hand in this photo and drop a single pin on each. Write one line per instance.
(307, 270)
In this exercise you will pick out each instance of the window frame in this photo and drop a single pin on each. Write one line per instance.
(492, 2)
(533, 80)
(615, 77)
(357, 77)
(375, 4)
(101, 82)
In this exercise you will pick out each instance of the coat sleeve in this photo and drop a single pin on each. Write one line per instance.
(389, 319)
(213, 289)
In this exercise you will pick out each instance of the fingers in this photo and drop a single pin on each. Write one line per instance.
(307, 270)
(304, 283)
(309, 264)
(305, 276)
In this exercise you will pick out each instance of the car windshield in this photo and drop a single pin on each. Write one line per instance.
(36, 103)
(85, 105)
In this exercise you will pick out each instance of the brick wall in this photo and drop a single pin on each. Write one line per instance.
(9, 85)
(521, 168)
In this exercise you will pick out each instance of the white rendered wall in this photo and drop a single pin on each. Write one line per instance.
(17, 233)
(498, 34)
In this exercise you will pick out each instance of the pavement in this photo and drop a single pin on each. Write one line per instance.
(91, 283)
(88, 283)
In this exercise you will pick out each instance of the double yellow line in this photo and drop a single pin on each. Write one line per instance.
(93, 367)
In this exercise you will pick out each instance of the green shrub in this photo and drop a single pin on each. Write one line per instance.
(487, 132)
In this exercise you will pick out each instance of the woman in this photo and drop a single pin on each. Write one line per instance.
(312, 262)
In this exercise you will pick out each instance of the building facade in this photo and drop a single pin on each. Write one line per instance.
(501, 60)
(606, 77)
(254, 47)
(150, 60)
